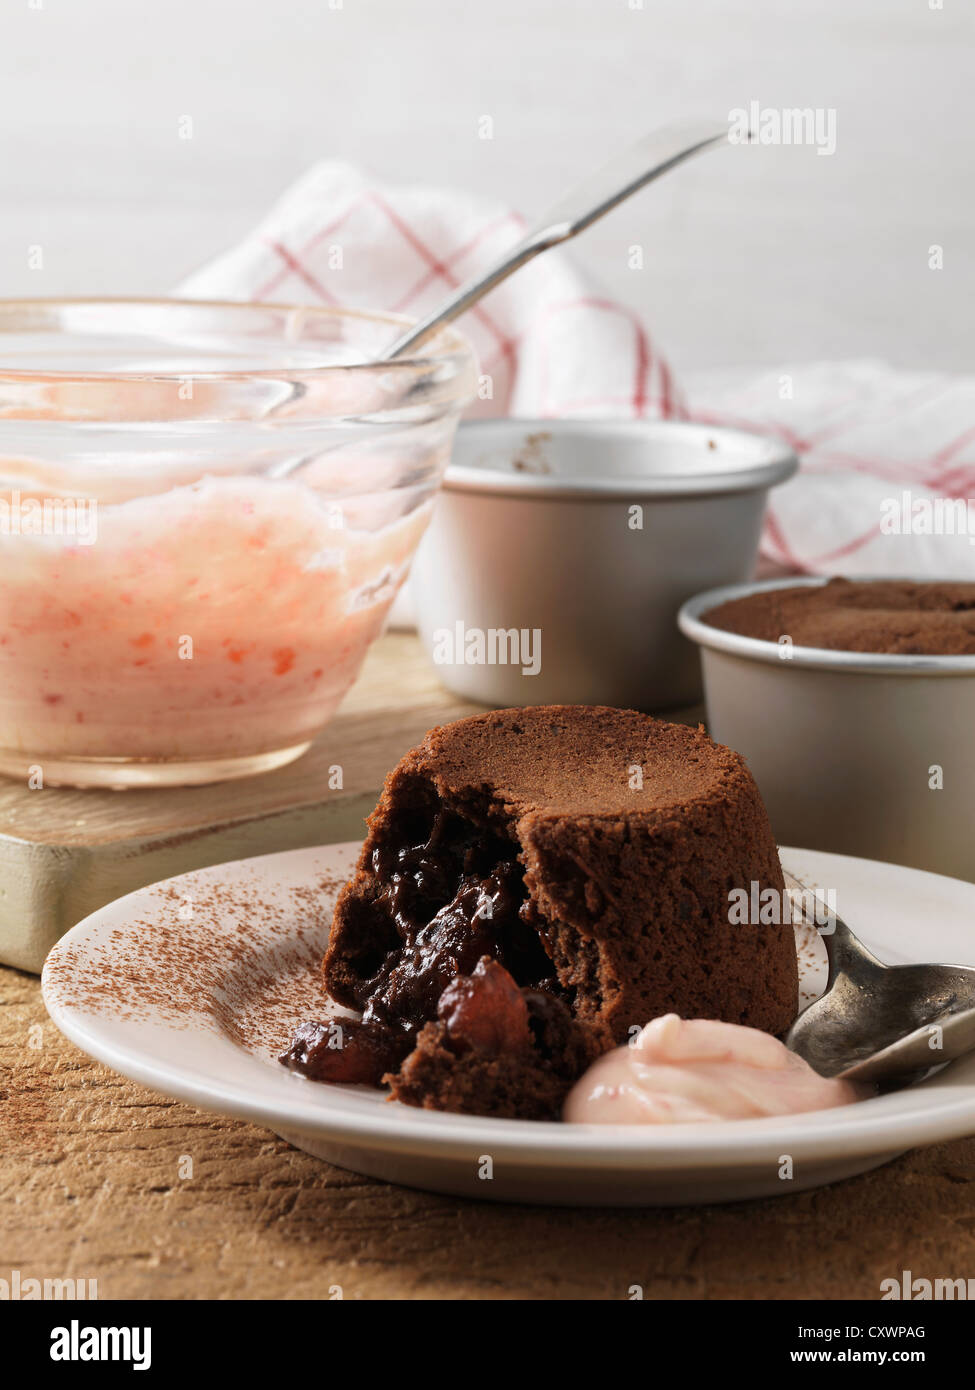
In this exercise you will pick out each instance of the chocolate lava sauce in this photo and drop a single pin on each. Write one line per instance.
(452, 899)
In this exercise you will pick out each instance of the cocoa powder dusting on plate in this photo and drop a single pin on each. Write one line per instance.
(231, 958)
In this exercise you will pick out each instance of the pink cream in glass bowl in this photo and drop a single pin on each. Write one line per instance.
(206, 511)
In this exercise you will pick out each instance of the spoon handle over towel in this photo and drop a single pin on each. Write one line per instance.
(610, 185)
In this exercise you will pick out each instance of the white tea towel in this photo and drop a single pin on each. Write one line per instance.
(888, 456)
(548, 341)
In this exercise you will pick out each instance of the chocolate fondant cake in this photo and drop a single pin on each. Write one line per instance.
(876, 615)
(535, 885)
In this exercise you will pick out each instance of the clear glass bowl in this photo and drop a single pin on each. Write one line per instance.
(205, 512)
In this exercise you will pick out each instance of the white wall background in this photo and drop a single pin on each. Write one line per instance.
(753, 256)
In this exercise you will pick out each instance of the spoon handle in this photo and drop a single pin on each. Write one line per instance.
(847, 953)
(604, 190)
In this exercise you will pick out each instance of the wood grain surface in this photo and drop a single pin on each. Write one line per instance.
(91, 1188)
(101, 1179)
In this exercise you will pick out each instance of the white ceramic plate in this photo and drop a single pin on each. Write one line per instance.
(192, 986)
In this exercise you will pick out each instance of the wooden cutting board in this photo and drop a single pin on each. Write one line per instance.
(64, 852)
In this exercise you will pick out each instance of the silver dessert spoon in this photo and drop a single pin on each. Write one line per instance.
(882, 1023)
(604, 190)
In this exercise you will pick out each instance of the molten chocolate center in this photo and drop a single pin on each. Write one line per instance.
(454, 898)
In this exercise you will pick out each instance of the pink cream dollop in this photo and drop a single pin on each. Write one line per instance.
(680, 1071)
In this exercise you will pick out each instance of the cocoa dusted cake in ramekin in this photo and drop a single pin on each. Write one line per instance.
(891, 617)
(535, 886)
(852, 701)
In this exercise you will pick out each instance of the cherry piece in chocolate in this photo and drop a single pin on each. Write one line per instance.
(485, 1011)
(344, 1051)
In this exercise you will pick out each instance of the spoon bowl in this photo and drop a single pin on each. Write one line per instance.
(882, 1023)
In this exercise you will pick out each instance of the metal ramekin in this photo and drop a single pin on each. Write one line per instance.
(860, 753)
(535, 531)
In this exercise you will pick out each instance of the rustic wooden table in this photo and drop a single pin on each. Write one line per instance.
(101, 1179)
(91, 1188)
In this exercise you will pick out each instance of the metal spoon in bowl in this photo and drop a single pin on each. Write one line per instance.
(604, 190)
(882, 1023)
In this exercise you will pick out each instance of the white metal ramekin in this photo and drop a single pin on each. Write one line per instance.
(581, 538)
(861, 753)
